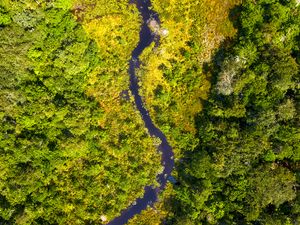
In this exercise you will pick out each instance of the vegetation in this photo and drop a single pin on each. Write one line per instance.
(223, 85)
(72, 148)
(246, 168)
(172, 79)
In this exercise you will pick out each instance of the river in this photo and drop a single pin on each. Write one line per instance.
(167, 155)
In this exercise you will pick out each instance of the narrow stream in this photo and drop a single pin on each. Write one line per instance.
(167, 159)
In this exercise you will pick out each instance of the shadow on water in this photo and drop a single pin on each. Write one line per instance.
(167, 159)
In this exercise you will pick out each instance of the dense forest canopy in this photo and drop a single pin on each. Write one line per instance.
(223, 85)
(72, 148)
(245, 169)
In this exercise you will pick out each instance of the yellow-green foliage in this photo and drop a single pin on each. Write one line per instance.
(159, 212)
(114, 25)
(216, 25)
(172, 80)
(171, 77)
(72, 147)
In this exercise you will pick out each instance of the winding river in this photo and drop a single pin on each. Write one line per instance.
(167, 159)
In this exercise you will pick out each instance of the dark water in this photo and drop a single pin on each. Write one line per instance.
(151, 193)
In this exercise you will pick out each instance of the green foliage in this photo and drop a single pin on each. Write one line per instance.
(268, 186)
(66, 155)
(73, 150)
(244, 169)
(4, 17)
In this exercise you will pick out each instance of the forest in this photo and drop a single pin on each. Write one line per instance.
(71, 149)
(222, 85)
(245, 169)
